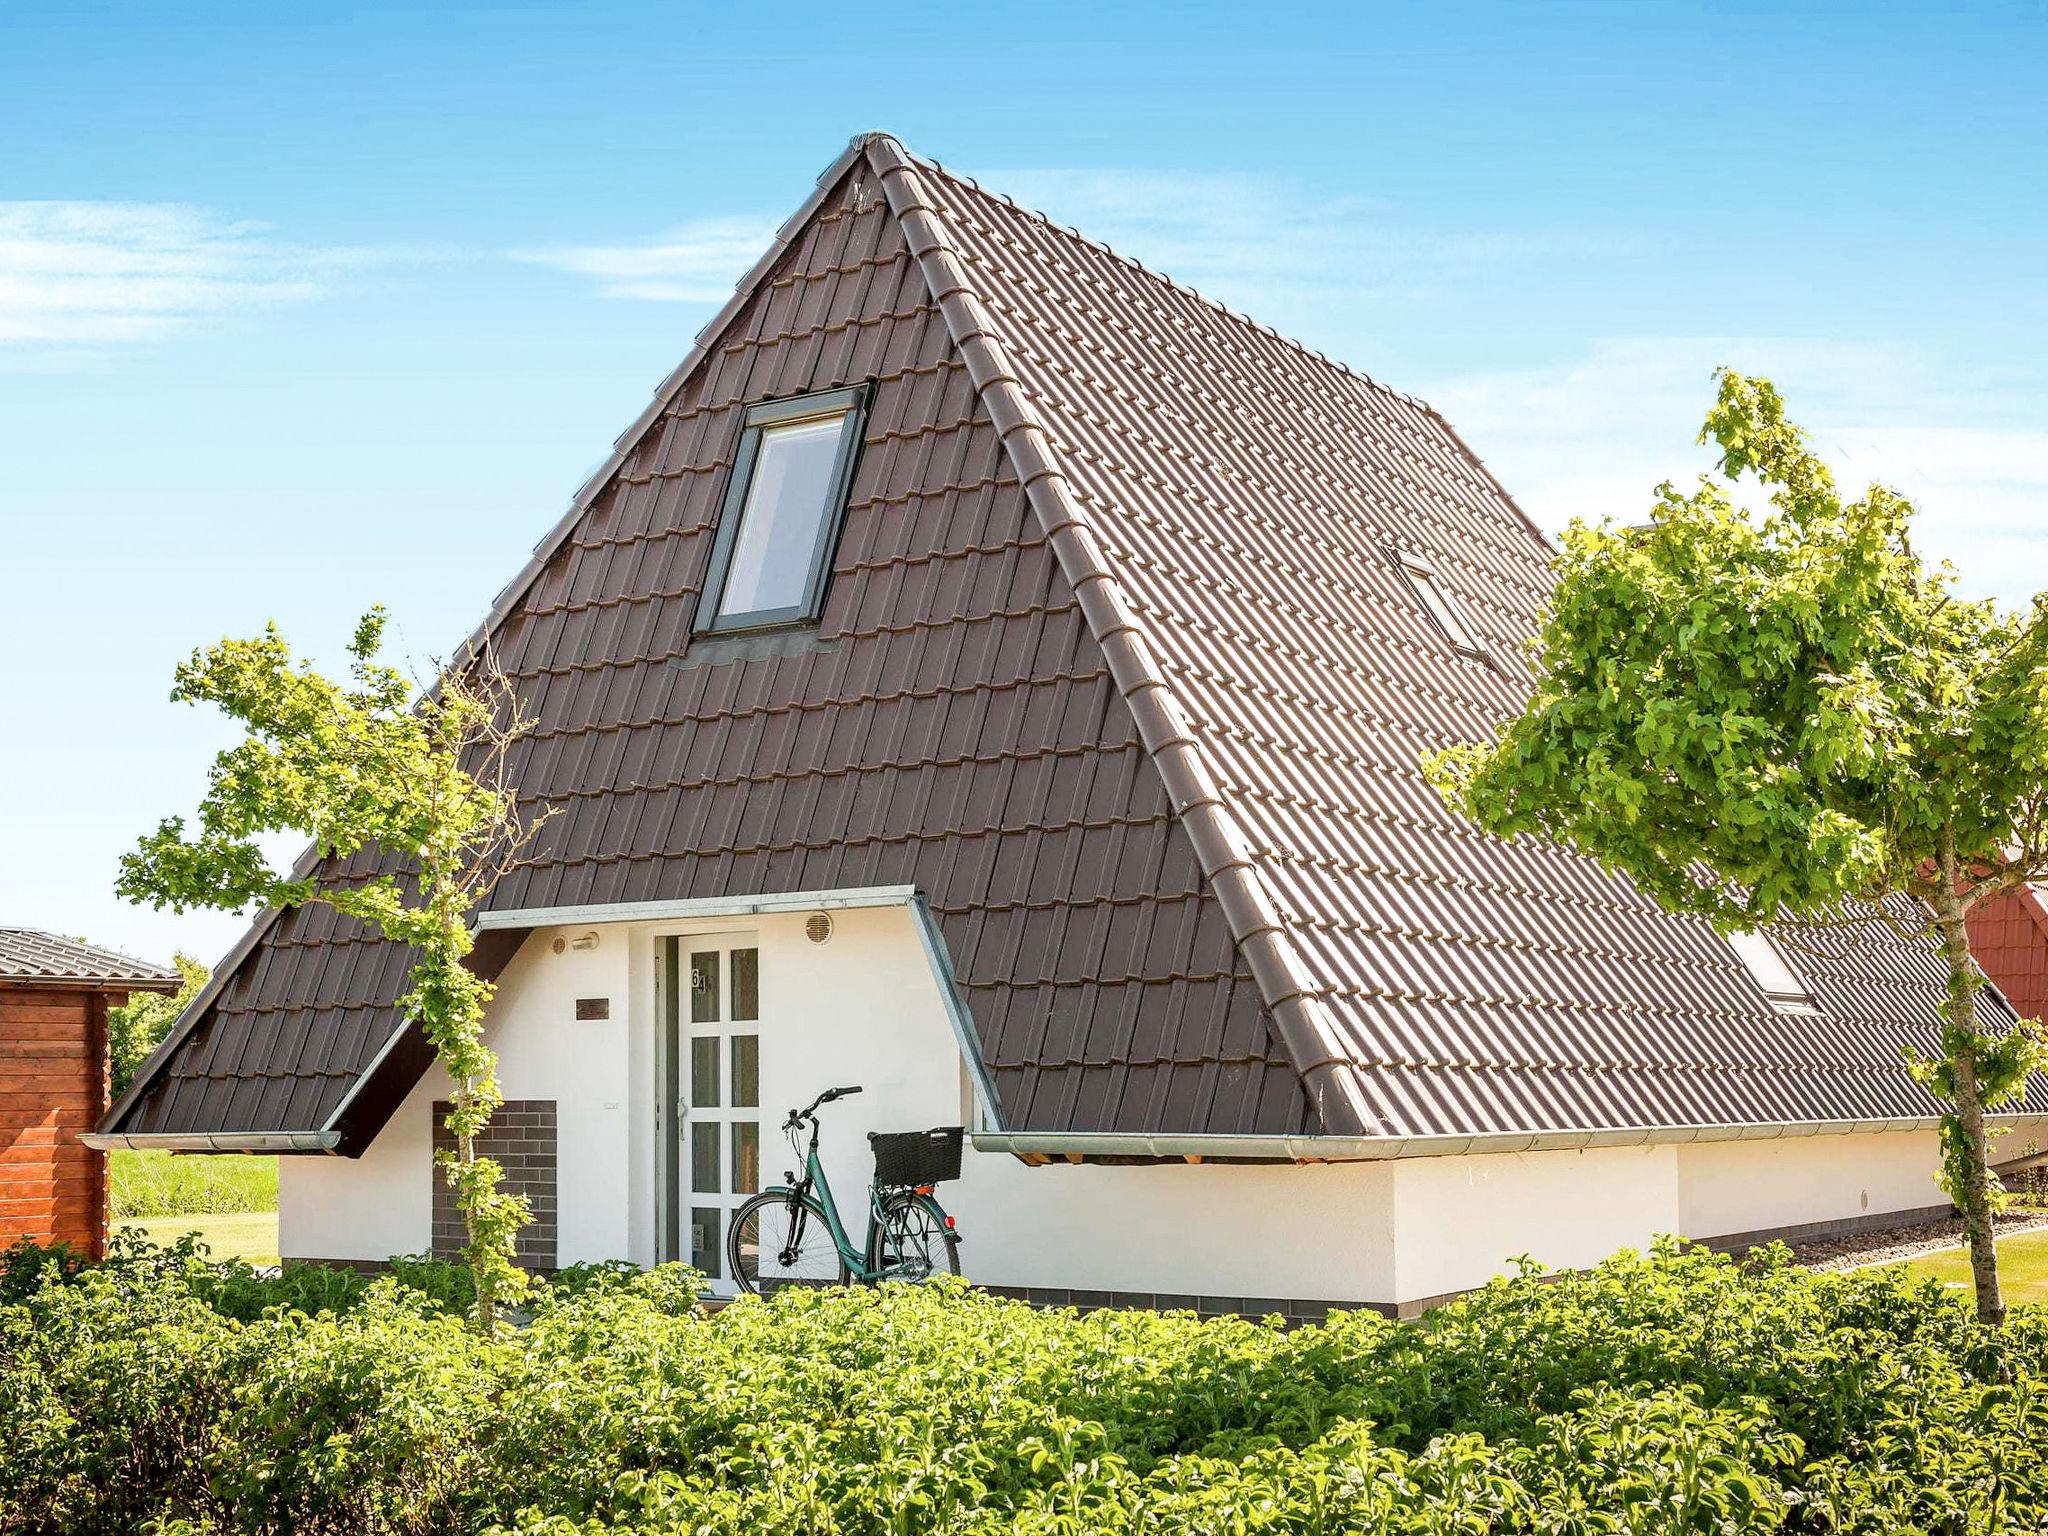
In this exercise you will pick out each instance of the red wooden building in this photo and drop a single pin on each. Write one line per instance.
(54, 997)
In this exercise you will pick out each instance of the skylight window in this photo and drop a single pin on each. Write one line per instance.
(783, 508)
(1768, 967)
(1439, 604)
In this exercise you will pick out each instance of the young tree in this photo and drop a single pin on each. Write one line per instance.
(1788, 717)
(421, 783)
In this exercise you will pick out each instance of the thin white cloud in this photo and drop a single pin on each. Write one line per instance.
(1592, 438)
(697, 262)
(1266, 245)
(99, 274)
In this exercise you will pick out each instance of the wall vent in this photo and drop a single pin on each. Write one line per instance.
(818, 929)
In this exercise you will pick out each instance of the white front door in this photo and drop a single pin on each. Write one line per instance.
(711, 1008)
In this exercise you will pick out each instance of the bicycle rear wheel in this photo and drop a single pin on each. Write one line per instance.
(777, 1241)
(911, 1242)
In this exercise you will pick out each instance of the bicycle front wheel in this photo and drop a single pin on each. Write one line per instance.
(777, 1240)
(912, 1242)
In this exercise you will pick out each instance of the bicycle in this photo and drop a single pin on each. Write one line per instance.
(796, 1225)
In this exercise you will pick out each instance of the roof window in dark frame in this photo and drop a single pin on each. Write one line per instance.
(785, 505)
(1438, 603)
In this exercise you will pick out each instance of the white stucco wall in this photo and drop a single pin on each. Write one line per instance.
(1728, 1187)
(864, 1009)
(369, 1207)
(381, 1203)
(1459, 1221)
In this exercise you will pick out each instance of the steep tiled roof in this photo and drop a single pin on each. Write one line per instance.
(34, 958)
(1243, 500)
(1118, 666)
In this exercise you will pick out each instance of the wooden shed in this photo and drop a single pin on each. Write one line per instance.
(54, 997)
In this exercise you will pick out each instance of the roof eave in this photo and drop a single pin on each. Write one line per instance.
(1198, 1146)
(186, 1022)
(214, 1141)
(161, 984)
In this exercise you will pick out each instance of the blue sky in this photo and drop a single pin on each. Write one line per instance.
(298, 315)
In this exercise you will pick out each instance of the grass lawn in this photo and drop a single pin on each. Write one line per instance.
(2022, 1266)
(165, 1184)
(250, 1235)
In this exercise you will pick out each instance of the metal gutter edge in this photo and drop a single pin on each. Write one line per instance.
(87, 984)
(1357, 1149)
(215, 1141)
(700, 906)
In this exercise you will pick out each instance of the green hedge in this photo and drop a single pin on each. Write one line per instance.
(1678, 1392)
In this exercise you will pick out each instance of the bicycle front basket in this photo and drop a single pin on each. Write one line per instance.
(906, 1159)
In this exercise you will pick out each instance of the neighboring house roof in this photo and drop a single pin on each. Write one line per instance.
(1120, 667)
(2009, 937)
(30, 957)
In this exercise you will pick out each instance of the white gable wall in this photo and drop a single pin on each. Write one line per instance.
(865, 1009)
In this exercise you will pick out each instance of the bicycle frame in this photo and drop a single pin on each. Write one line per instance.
(815, 1183)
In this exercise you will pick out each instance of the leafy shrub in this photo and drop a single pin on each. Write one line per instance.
(26, 1266)
(1678, 1392)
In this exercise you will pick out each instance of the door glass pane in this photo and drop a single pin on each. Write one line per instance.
(704, 1157)
(704, 1072)
(704, 987)
(784, 517)
(746, 984)
(746, 1157)
(746, 1071)
(704, 1235)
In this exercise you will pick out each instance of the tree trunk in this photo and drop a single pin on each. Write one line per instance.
(1973, 1162)
(465, 1155)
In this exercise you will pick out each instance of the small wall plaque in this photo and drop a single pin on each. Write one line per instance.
(593, 1007)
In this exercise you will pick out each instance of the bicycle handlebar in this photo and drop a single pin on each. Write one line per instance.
(798, 1116)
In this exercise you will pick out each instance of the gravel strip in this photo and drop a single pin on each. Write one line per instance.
(1855, 1249)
